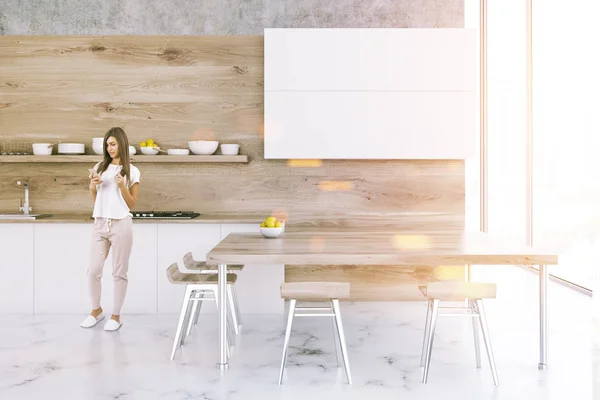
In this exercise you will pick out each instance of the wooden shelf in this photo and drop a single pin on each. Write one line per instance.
(134, 159)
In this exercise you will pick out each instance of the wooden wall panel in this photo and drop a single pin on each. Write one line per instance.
(384, 190)
(74, 88)
(49, 120)
(174, 89)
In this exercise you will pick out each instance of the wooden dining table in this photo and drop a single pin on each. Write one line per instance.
(387, 247)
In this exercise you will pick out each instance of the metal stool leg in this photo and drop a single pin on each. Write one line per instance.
(194, 309)
(430, 334)
(230, 324)
(232, 307)
(338, 322)
(475, 321)
(180, 324)
(236, 307)
(487, 340)
(425, 336)
(187, 322)
(336, 340)
(288, 331)
(197, 315)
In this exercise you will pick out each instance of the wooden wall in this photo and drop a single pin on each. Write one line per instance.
(175, 89)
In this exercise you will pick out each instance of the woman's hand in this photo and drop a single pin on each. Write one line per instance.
(120, 181)
(94, 181)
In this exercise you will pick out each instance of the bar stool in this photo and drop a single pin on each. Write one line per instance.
(316, 292)
(474, 292)
(197, 285)
(203, 268)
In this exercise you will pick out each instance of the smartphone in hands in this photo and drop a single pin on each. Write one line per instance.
(94, 176)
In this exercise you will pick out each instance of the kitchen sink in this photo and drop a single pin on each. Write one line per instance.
(23, 216)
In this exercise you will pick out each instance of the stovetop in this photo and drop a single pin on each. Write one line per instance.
(164, 214)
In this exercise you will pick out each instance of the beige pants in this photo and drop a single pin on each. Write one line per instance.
(106, 234)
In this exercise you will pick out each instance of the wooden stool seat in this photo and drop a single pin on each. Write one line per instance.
(181, 278)
(303, 291)
(191, 264)
(457, 290)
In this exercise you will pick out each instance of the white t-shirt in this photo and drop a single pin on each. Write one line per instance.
(109, 200)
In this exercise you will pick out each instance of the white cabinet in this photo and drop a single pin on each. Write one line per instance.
(370, 59)
(371, 93)
(61, 257)
(141, 290)
(370, 125)
(174, 240)
(44, 269)
(257, 284)
(16, 268)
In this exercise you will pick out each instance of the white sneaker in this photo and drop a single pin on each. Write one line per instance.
(111, 325)
(90, 321)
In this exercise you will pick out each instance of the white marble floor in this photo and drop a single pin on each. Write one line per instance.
(50, 357)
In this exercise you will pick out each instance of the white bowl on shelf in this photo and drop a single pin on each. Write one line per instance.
(149, 151)
(178, 152)
(41, 149)
(97, 140)
(230, 149)
(98, 147)
(71, 148)
(271, 233)
(203, 147)
(132, 150)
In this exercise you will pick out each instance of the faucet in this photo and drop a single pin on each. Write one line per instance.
(25, 207)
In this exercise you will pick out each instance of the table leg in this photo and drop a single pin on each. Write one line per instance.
(222, 284)
(543, 272)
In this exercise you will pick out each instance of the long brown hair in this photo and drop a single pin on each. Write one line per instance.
(123, 142)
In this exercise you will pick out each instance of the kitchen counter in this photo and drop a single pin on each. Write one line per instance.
(381, 222)
(201, 219)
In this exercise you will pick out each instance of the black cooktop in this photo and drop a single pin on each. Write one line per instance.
(164, 214)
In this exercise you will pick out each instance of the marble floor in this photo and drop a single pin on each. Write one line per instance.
(50, 357)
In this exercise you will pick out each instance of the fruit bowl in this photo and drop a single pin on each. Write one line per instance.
(271, 227)
(271, 232)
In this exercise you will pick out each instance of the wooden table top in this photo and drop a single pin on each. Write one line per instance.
(377, 248)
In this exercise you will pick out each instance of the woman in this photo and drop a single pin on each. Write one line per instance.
(114, 184)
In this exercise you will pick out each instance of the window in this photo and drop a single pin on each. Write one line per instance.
(566, 130)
